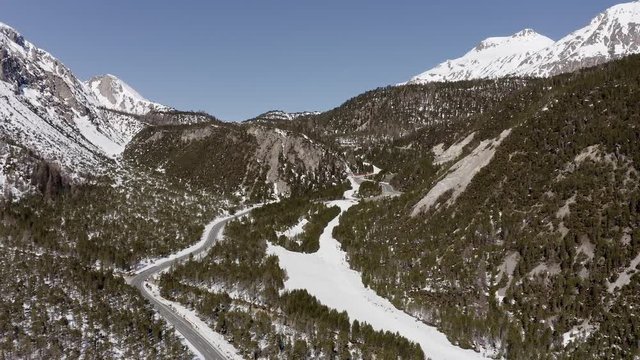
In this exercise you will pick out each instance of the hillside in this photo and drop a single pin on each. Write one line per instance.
(253, 161)
(526, 231)
(490, 208)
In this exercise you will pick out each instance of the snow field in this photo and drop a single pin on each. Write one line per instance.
(327, 276)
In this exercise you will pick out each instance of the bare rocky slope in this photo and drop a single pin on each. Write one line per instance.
(254, 161)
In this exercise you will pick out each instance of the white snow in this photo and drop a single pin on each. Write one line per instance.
(212, 337)
(113, 93)
(493, 57)
(507, 268)
(54, 114)
(578, 332)
(610, 35)
(624, 278)
(452, 153)
(461, 173)
(94, 136)
(327, 276)
(599, 39)
(295, 230)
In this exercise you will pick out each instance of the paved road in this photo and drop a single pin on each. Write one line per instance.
(185, 328)
(387, 189)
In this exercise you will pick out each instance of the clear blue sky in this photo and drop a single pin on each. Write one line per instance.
(236, 59)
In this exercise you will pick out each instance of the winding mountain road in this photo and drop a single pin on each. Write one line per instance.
(195, 337)
(190, 332)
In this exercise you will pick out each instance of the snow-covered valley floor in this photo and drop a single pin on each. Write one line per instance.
(326, 275)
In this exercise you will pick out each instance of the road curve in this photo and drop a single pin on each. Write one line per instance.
(193, 336)
(387, 189)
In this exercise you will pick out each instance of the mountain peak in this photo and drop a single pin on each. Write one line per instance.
(522, 38)
(113, 93)
(492, 57)
(525, 33)
(612, 34)
(624, 13)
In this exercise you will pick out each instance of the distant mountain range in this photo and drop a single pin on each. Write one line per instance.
(48, 111)
(613, 34)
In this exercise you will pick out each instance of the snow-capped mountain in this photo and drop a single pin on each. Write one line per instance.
(45, 109)
(113, 93)
(612, 34)
(491, 58)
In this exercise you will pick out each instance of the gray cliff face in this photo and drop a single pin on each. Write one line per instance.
(288, 156)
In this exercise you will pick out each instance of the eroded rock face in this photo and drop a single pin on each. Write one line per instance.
(289, 156)
(196, 134)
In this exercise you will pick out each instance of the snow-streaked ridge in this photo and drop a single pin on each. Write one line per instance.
(612, 34)
(46, 109)
(492, 57)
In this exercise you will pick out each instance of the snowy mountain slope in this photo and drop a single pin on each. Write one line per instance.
(46, 109)
(113, 93)
(610, 35)
(493, 57)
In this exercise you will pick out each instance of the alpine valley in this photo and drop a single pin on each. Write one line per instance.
(486, 208)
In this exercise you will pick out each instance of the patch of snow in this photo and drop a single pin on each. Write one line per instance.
(94, 136)
(624, 278)
(590, 153)
(578, 333)
(543, 268)
(376, 170)
(507, 268)
(562, 213)
(295, 230)
(587, 248)
(564, 210)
